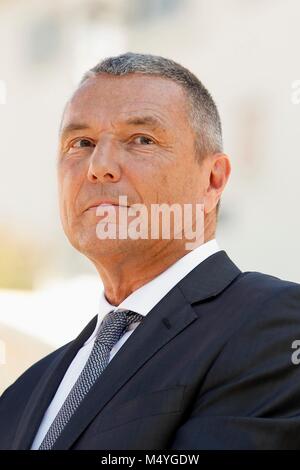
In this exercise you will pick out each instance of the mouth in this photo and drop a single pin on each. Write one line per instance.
(105, 203)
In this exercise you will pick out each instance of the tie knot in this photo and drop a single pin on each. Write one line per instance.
(114, 324)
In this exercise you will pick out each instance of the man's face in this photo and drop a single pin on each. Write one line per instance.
(124, 136)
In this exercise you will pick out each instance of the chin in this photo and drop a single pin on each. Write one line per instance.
(94, 248)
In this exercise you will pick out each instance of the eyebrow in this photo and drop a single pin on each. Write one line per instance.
(72, 127)
(144, 121)
(150, 121)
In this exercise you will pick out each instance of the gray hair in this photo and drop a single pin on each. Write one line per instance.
(202, 111)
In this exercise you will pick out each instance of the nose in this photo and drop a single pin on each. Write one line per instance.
(104, 166)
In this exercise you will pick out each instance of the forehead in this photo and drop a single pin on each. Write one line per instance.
(114, 98)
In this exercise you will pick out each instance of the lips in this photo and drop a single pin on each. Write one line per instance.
(104, 202)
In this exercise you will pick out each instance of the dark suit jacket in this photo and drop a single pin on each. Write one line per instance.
(210, 367)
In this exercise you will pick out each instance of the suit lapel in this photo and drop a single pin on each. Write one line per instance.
(166, 320)
(46, 388)
(160, 326)
(209, 278)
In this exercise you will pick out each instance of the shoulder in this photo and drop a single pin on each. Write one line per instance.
(15, 397)
(257, 291)
(24, 385)
(267, 326)
(267, 284)
(267, 302)
(271, 300)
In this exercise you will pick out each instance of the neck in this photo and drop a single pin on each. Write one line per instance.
(123, 274)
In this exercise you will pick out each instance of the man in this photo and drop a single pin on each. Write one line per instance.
(192, 353)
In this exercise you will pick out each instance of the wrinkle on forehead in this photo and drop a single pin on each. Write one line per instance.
(108, 101)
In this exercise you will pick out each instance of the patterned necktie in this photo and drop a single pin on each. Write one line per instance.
(110, 331)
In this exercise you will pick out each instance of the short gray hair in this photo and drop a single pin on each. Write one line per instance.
(202, 110)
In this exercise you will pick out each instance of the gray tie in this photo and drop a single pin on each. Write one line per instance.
(110, 331)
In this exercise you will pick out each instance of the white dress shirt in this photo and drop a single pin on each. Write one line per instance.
(140, 301)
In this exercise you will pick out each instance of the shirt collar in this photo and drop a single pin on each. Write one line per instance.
(147, 296)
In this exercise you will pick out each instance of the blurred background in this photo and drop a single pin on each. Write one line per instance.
(246, 53)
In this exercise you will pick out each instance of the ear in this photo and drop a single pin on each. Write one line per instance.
(219, 171)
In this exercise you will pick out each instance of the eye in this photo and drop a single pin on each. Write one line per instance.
(80, 143)
(143, 140)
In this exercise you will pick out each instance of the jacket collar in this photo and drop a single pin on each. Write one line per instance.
(167, 319)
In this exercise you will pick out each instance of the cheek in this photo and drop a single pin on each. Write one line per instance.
(69, 181)
(182, 183)
(150, 174)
